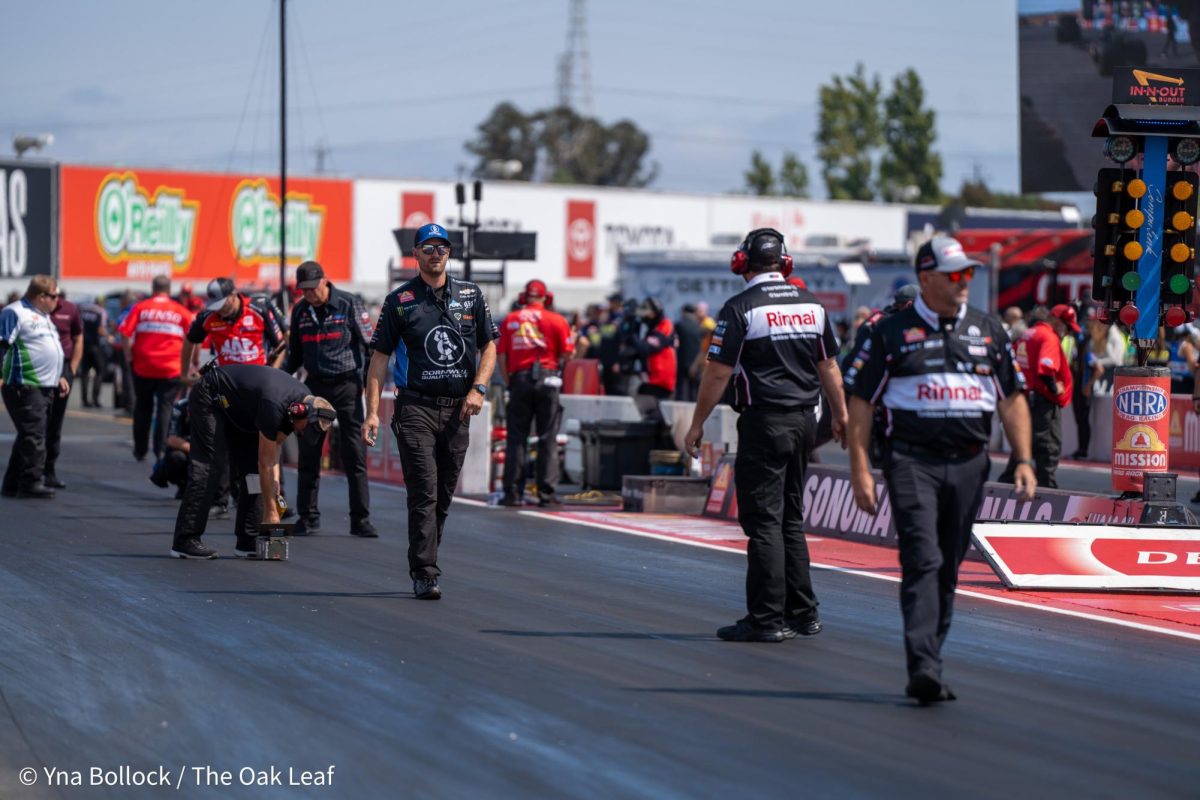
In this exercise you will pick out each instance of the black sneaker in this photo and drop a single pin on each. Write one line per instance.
(512, 501)
(926, 688)
(550, 502)
(251, 554)
(192, 548)
(309, 527)
(7, 492)
(219, 511)
(364, 528)
(426, 588)
(53, 482)
(39, 491)
(743, 631)
(802, 626)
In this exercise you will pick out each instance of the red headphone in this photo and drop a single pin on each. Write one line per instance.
(302, 410)
(739, 263)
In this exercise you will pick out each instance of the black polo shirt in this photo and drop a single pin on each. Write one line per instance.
(773, 334)
(939, 380)
(436, 335)
(256, 398)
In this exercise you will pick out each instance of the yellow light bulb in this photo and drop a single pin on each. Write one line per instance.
(1132, 251)
(1137, 188)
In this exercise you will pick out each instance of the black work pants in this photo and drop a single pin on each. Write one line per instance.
(773, 450)
(934, 504)
(432, 442)
(1081, 404)
(29, 408)
(58, 411)
(95, 359)
(529, 401)
(1046, 419)
(154, 398)
(345, 395)
(213, 440)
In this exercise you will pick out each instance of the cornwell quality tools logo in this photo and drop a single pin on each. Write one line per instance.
(1156, 88)
(254, 224)
(133, 224)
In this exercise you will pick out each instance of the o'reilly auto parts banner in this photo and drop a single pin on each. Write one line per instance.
(135, 224)
(26, 218)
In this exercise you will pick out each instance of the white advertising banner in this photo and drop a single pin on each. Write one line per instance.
(581, 231)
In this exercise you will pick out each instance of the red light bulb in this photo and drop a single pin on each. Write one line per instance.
(1175, 317)
(1129, 314)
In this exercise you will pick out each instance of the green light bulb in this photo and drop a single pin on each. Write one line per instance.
(1179, 284)
(1131, 281)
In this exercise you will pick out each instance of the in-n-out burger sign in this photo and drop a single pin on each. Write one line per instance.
(1191, 558)
(932, 391)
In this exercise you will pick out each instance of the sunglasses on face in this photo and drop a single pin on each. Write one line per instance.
(53, 295)
(961, 275)
(440, 249)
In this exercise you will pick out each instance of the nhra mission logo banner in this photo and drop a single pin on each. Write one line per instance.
(1161, 86)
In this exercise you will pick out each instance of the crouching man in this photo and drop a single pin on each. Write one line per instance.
(253, 409)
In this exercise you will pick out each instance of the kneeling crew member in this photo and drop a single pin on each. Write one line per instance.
(437, 326)
(172, 468)
(940, 368)
(253, 409)
(777, 343)
(533, 344)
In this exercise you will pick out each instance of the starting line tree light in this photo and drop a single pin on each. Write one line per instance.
(1144, 266)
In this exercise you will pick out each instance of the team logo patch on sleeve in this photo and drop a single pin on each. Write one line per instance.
(406, 297)
(914, 335)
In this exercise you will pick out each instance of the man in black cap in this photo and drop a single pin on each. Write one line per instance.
(941, 369)
(330, 337)
(776, 342)
(441, 331)
(252, 409)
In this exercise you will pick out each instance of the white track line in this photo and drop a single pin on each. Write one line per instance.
(1141, 626)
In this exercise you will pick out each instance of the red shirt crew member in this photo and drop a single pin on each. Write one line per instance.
(239, 330)
(156, 327)
(534, 342)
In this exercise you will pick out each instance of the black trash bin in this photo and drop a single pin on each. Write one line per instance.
(615, 448)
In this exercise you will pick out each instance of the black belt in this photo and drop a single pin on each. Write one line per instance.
(939, 453)
(428, 399)
(334, 378)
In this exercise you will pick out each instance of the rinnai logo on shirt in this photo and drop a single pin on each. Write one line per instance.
(779, 319)
(932, 391)
(785, 320)
(941, 393)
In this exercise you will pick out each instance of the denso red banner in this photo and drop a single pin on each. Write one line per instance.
(581, 238)
(1056, 556)
(1141, 425)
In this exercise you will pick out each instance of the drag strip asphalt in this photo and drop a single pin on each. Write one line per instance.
(563, 661)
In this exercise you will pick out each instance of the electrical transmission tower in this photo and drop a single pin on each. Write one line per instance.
(572, 92)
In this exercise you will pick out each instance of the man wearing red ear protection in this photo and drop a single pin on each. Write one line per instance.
(777, 343)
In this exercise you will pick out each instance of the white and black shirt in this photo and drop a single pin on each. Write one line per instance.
(939, 380)
(773, 334)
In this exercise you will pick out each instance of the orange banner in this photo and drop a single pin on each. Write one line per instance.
(1141, 425)
(133, 224)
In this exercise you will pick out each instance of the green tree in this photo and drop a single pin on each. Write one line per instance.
(793, 176)
(975, 193)
(909, 170)
(507, 134)
(760, 178)
(849, 133)
(561, 146)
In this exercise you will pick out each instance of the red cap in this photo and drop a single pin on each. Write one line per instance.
(798, 282)
(1067, 314)
(535, 290)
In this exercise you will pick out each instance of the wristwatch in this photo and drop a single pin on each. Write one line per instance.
(481, 388)
(1032, 464)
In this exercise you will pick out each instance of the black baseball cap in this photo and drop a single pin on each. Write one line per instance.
(765, 247)
(219, 290)
(309, 275)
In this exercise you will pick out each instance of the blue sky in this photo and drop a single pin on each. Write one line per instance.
(395, 88)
